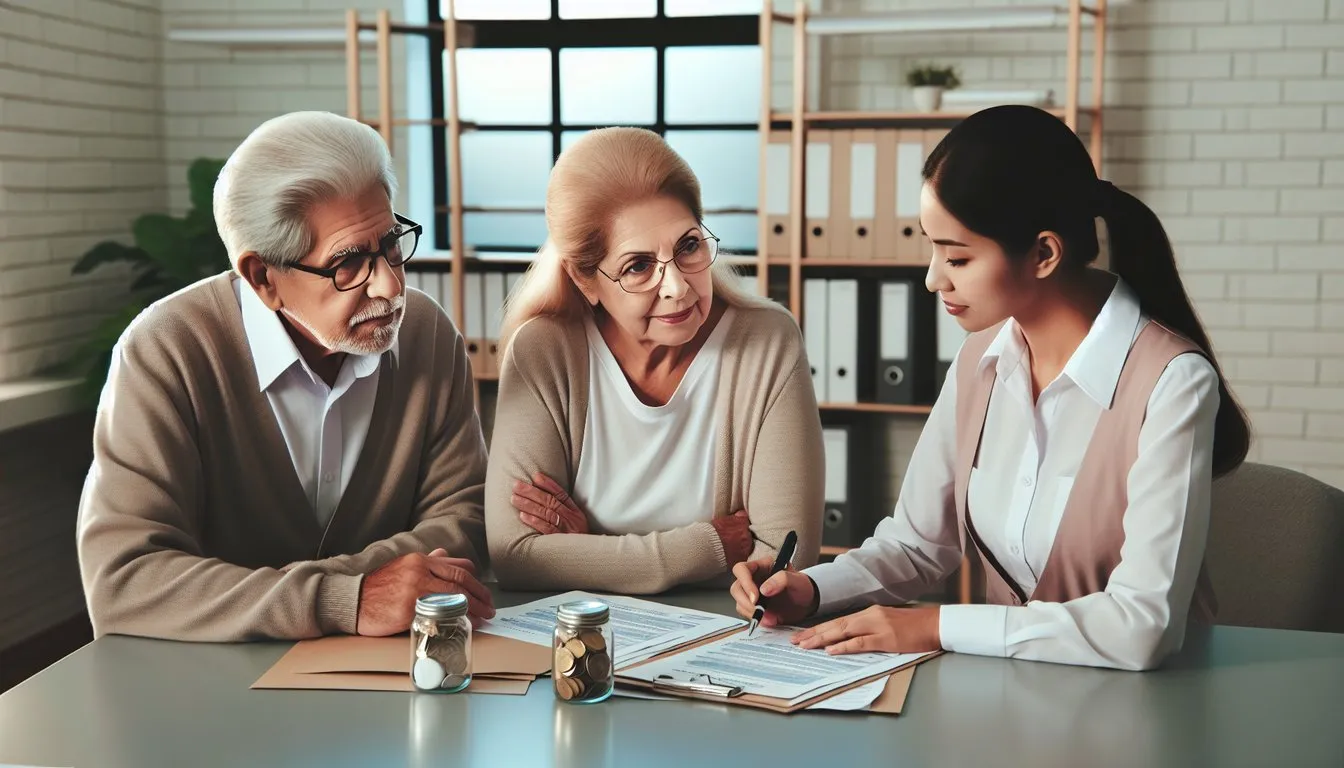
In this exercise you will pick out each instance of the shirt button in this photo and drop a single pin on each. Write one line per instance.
(1016, 550)
(1026, 482)
(330, 478)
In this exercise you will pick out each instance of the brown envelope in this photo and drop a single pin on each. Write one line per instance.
(490, 655)
(351, 663)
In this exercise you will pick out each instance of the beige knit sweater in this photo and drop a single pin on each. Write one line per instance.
(193, 524)
(768, 460)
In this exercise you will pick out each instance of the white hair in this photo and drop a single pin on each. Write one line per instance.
(286, 166)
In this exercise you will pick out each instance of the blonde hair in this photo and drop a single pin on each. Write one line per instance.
(604, 171)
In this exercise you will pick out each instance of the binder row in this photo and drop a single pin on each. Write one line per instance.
(877, 341)
(861, 193)
(485, 294)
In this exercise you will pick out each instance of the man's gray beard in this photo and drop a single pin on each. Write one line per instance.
(383, 338)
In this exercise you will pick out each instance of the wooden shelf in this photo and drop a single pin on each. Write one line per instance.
(896, 117)
(824, 263)
(834, 551)
(911, 410)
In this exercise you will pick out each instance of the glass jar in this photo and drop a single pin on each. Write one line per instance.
(582, 670)
(441, 644)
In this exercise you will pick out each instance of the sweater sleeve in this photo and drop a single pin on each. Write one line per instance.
(450, 497)
(530, 437)
(140, 556)
(787, 482)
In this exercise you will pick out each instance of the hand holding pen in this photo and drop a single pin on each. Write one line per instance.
(784, 595)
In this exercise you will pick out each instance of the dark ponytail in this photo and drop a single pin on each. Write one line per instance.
(1009, 173)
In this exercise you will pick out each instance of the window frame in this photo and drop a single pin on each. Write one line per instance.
(659, 32)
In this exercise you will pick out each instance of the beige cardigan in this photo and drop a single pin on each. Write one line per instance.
(193, 524)
(768, 460)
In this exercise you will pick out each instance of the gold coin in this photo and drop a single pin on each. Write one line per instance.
(594, 640)
(564, 661)
(576, 647)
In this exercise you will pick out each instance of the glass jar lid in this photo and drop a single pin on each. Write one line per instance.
(583, 613)
(442, 606)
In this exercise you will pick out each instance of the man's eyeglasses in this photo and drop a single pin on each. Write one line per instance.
(353, 270)
(645, 272)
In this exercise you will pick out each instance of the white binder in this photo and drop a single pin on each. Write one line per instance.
(474, 332)
(862, 193)
(815, 315)
(842, 346)
(909, 182)
(494, 319)
(817, 194)
(778, 186)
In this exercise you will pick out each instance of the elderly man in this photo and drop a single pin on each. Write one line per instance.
(289, 449)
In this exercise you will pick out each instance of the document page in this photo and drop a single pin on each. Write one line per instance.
(769, 665)
(642, 628)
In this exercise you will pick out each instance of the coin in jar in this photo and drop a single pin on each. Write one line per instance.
(598, 666)
(428, 674)
(576, 647)
(564, 661)
(563, 689)
(593, 640)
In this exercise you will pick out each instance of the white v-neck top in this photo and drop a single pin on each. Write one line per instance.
(648, 468)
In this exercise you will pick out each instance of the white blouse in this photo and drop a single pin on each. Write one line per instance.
(645, 468)
(1029, 456)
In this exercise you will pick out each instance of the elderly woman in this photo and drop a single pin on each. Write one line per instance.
(655, 426)
(290, 448)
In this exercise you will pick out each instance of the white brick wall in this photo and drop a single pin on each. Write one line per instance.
(1225, 116)
(215, 95)
(80, 157)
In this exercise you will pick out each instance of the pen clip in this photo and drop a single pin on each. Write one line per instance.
(698, 684)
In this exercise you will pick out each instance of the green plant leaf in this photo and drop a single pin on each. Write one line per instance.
(108, 252)
(162, 237)
(201, 177)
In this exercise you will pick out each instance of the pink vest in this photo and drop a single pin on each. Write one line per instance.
(1087, 544)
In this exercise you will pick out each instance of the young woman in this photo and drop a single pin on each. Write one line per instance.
(1071, 450)
(654, 425)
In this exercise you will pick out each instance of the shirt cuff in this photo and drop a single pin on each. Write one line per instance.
(980, 630)
(338, 603)
(835, 586)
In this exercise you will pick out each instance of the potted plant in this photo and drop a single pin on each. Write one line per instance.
(169, 254)
(928, 83)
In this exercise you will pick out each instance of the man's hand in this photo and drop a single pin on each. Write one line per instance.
(387, 596)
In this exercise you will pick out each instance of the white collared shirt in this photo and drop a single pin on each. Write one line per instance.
(1029, 455)
(324, 427)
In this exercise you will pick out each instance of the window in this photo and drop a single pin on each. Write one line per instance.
(543, 72)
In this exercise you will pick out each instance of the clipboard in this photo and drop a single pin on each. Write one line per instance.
(704, 688)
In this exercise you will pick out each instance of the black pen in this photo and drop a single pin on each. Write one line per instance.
(781, 562)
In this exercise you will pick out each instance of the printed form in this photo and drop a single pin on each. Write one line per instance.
(642, 628)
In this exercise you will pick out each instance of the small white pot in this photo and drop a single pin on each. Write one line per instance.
(928, 98)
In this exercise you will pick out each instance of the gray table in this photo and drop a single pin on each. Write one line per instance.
(1233, 697)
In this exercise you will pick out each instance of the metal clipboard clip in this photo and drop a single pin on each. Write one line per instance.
(698, 684)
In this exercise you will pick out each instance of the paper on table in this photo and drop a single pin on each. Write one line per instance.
(769, 665)
(642, 628)
(854, 698)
